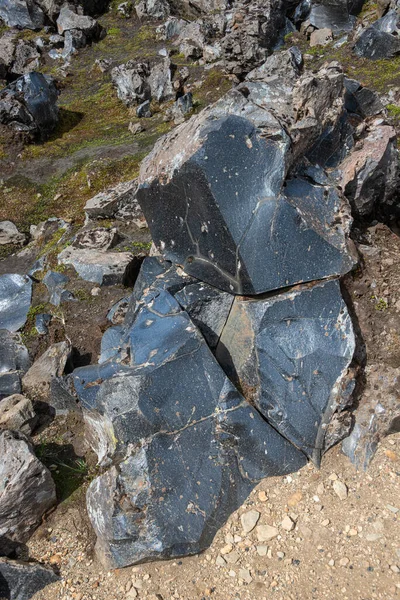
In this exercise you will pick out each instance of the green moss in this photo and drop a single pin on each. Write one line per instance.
(114, 31)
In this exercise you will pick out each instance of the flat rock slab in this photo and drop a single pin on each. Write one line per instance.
(14, 362)
(15, 301)
(196, 447)
(26, 490)
(104, 268)
(223, 211)
(291, 354)
(20, 580)
(119, 202)
(37, 381)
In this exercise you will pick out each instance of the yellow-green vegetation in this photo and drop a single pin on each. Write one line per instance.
(29, 332)
(380, 304)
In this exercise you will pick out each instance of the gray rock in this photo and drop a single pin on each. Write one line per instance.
(104, 268)
(14, 362)
(15, 300)
(171, 28)
(36, 383)
(117, 312)
(26, 490)
(291, 354)
(29, 105)
(377, 415)
(69, 20)
(9, 234)
(130, 80)
(170, 398)
(217, 199)
(21, 580)
(160, 80)
(26, 58)
(22, 14)
(181, 107)
(42, 322)
(119, 202)
(17, 413)
(110, 343)
(55, 283)
(100, 238)
(370, 175)
(381, 39)
(156, 9)
(361, 100)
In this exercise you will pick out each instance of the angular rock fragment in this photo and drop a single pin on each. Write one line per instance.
(104, 268)
(23, 14)
(377, 415)
(370, 175)
(14, 362)
(26, 490)
(290, 354)
(160, 80)
(119, 202)
(100, 238)
(131, 82)
(55, 283)
(339, 15)
(41, 323)
(156, 9)
(118, 311)
(37, 381)
(15, 301)
(361, 100)
(22, 580)
(9, 234)
(381, 39)
(69, 20)
(29, 105)
(165, 397)
(17, 413)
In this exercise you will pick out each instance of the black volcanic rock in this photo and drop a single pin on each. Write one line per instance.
(21, 580)
(381, 39)
(291, 353)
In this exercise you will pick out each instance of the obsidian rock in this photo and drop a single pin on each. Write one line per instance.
(221, 209)
(21, 580)
(15, 300)
(381, 39)
(290, 353)
(14, 362)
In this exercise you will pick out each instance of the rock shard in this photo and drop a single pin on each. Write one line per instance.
(15, 301)
(21, 580)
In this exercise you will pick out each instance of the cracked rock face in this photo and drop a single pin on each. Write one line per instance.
(15, 301)
(186, 447)
(21, 581)
(338, 15)
(290, 354)
(26, 490)
(381, 39)
(231, 221)
(14, 362)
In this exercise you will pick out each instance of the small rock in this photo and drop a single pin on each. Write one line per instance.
(262, 496)
(9, 234)
(295, 499)
(287, 524)
(265, 533)
(321, 37)
(262, 550)
(340, 489)
(249, 520)
(343, 562)
(245, 575)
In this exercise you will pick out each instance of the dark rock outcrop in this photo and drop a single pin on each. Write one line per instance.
(26, 490)
(14, 362)
(29, 105)
(21, 580)
(15, 300)
(381, 39)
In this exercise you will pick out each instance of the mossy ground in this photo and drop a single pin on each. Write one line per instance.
(92, 148)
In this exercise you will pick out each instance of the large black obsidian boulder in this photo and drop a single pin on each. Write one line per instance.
(381, 39)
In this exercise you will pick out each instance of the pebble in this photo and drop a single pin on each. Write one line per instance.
(249, 520)
(232, 558)
(325, 523)
(262, 496)
(245, 575)
(220, 561)
(132, 594)
(262, 550)
(287, 524)
(265, 533)
(395, 568)
(340, 489)
(95, 291)
(295, 499)
(343, 562)
(226, 549)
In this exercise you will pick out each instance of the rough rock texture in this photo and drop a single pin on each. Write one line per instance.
(17, 413)
(290, 354)
(104, 268)
(381, 39)
(370, 175)
(9, 234)
(223, 208)
(55, 283)
(376, 417)
(23, 14)
(15, 300)
(26, 490)
(130, 79)
(119, 202)
(156, 9)
(36, 383)
(336, 14)
(164, 396)
(361, 100)
(29, 105)
(14, 361)
(99, 238)
(21, 580)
